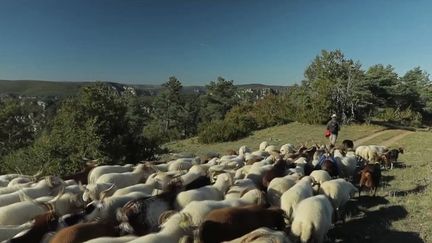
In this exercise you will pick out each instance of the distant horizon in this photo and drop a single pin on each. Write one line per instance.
(127, 83)
(248, 41)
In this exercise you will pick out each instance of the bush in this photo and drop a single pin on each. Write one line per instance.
(272, 110)
(406, 117)
(223, 131)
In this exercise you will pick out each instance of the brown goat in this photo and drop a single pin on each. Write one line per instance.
(347, 145)
(370, 177)
(330, 167)
(81, 176)
(43, 224)
(390, 157)
(85, 231)
(297, 154)
(140, 216)
(278, 170)
(230, 223)
(309, 153)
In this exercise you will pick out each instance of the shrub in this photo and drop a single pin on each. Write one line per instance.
(223, 130)
(406, 117)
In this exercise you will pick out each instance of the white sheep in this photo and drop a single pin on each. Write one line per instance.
(263, 145)
(46, 187)
(7, 190)
(312, 219)
(243, 150)
(21, 212)
(239, 187)
(262, 235)
(242, 172)
(121, 180)
(371, 152)
(9, 231)
(349, 164)
(287, 149)
(339, 191)
(9, 177)
(278, 186)
(199, 209)
(19, 181)
(155, 184)
(211, 192)
(256, 173)
(319, 176)
(141, 187)
(106, 208)
(171, 231)
(194, 172)
(267, 161)
(3, 183)
(158, 167)
(271, 149)
(98, 171)
(301, 190)
(234, 163)
(182, 164)
(121, 239)
(93, 191)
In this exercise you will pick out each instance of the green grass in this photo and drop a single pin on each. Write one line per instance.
(294, 133)
(383, 137)
(402, 210)
(409, 184)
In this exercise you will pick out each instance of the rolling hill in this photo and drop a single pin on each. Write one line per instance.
(68, 88)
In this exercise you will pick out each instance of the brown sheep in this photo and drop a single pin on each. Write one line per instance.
(230, 223)
(85, 231)
(370, 177)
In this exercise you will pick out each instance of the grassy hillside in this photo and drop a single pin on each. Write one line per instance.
(39, 88)
(400, 213)
(294, 133)
(407, 186)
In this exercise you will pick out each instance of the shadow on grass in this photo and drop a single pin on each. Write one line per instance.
(390, 125)
(402, 193)
(400, 165)
(369, 226)
(401, 237)
(385, 179)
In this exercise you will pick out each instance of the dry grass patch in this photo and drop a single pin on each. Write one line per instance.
(294, 133)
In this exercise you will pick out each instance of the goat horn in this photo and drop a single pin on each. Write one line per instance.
(59, 194)
(49, 181)
(104, 192)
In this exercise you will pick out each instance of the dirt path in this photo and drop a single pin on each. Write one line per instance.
(396, 138)
(388, 142)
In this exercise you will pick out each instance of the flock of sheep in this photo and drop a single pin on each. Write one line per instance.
(285, 194)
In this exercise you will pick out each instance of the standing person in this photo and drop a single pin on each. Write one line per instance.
(333, 127)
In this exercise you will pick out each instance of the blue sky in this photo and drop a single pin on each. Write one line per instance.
(249, 41)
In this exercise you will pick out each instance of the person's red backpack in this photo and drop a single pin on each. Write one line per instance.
(327, 133)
